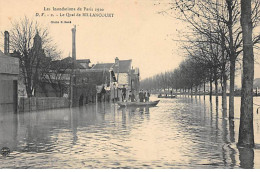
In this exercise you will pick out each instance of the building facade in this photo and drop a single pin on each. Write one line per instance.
(9, 70)
(122, 75)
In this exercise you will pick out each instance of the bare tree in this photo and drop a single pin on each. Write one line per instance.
(32, 44)
(221, 17)
(57, 74)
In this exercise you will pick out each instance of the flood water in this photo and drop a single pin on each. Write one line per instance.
(178, 133)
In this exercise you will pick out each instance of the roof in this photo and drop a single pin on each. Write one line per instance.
(66, 63)
(102, 66)
(83, 60)
(9, 65)
(124, 66)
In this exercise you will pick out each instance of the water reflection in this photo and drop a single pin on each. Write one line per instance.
(246, 157)
(179, 133)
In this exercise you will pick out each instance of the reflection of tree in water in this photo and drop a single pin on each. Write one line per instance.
(220, 136)
(216, 119)
(37, 128)
(246, 157)
(232, 140)
(74, 124)
(227, 150)
(211, 118)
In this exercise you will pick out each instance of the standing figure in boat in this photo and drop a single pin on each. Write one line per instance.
(123, 93)
(141, 96)
(132, 96)
(147, 96)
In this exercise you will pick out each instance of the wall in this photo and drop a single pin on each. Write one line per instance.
(6, 96)
(42, 103)
(9, 70)
(84, 94)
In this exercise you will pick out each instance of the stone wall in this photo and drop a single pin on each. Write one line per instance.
(42, 103)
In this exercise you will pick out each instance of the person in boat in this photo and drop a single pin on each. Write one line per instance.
(132, 96)
(147, 95)
(141, 96)
(123, 93)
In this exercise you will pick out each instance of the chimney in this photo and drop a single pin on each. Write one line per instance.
(116, 61)
(6, 43)
(74, 42)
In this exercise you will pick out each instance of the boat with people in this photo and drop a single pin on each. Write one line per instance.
(150, 103)
(166, 96)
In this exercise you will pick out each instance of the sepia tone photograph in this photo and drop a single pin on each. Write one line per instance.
(112, 84)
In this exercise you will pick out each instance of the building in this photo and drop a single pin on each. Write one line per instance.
(84, 63)
(9, 70)
(122, 75)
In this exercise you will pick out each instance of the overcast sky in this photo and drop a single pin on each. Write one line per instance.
(135, 32)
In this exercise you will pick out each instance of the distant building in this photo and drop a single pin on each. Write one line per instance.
(56, 82)
(84, 63)
(121, 74)
(103, 66)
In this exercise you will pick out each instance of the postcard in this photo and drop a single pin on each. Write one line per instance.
(151, 84)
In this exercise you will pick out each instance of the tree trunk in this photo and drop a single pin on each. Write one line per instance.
(223, 74)
(231, 89)
(246, 130)
(28, 88)
(216, 83)
(204, 89)
(216, 89)
(210, 85)
(224, 92)
(232, 58)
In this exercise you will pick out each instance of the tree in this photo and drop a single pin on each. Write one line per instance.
(34, 48)
(246, 130)
(56, 75)
(222, 17)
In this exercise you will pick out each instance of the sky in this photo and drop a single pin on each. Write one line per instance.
(136, 31)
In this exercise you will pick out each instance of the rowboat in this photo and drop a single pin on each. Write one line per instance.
(151, 103)
(160, 96)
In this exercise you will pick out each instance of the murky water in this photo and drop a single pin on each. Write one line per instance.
(178, 133)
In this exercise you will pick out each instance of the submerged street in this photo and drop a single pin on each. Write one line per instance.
(178, 133)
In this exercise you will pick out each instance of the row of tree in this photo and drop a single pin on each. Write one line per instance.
(212, 49)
